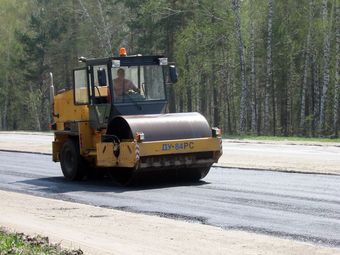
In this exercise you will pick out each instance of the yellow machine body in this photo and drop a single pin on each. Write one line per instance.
(132, 153)
(127, 143)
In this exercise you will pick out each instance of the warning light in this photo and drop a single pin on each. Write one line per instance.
(122, 52)
(140, 136)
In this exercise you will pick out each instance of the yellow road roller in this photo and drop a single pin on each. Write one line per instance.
(114, 118)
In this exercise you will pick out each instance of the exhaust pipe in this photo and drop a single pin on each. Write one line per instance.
(51, 90)
(52, 125)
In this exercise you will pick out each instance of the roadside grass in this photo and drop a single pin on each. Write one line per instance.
(17, 243)
(283, 138)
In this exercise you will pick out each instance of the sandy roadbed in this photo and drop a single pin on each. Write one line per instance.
(26, 141)
(302, 157)
(104, 231)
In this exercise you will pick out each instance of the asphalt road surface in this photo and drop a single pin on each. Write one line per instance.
(307, 157)
(303, 207)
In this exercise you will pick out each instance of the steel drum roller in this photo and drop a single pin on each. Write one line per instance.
(160, 126)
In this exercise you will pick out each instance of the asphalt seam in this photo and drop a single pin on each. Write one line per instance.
(27, 152)
(275, 170)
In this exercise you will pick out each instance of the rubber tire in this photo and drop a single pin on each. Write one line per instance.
(72, 164)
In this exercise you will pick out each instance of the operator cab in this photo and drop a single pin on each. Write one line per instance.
(125, 85)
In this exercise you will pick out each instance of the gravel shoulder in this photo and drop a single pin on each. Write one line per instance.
(38, 142)
(103, 231)
(305, 157)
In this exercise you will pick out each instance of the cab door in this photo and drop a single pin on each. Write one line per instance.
(100, 99)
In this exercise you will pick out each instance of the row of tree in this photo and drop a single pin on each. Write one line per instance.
(260, 67)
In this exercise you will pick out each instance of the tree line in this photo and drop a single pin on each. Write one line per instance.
(251, 67)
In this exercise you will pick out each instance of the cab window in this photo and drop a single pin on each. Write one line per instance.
(80, 87)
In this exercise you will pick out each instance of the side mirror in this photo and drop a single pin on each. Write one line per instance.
(173, 74)
(101, 77)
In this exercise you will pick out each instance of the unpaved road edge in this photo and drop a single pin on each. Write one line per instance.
(105, 231)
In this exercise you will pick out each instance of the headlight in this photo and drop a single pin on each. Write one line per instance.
(216, 132)
(163, 61)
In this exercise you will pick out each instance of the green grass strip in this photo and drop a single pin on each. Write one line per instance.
(20, 244)
(283, 138)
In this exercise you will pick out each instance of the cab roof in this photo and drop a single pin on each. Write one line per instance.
(126, 61)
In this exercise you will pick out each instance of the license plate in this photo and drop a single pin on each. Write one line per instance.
(178, 146)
